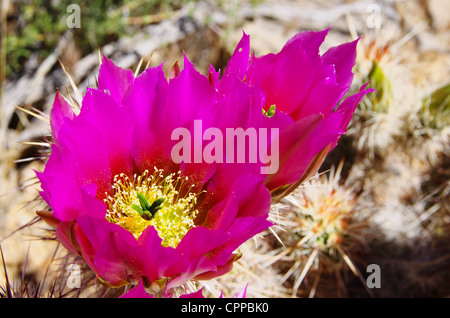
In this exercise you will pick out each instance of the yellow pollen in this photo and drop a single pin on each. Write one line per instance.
(175, 216)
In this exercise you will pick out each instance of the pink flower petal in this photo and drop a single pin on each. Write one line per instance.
(64, 197)
(299, 143)
(60, 113)
(114, 126)
(343, 59)
(159, 261)
(114, 80)
(238, 63)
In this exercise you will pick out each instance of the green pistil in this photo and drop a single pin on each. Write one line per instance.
(270, 112)
(147, 210)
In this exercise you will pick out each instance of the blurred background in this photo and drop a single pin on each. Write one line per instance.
(381, 197)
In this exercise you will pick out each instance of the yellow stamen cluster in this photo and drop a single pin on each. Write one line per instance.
(172, 221)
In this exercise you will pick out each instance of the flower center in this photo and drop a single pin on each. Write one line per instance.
(152, 200)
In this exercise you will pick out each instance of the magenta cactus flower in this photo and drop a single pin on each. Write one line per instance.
(303, 93)
(159, 181)
(122, 200)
